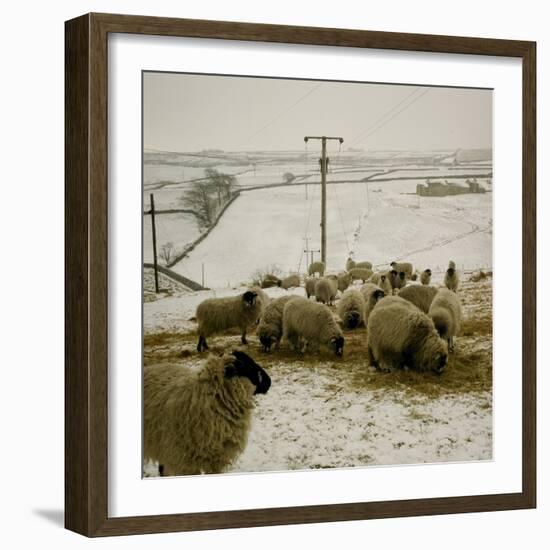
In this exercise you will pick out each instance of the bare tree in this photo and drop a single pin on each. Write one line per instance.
(198, 199)
(222, 184)
(167, 252)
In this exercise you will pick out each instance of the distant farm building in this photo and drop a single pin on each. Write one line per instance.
(443, 189)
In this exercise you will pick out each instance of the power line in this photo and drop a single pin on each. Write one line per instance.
(379, 119)
(284, 111)
(380, 126)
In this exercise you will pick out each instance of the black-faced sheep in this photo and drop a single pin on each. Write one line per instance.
(270, 328)
(263, 298)
(351, 309)
(325, 290)
(316, 268)
(372, 294)
(426, 277)
(406, 267)
(220, 314)
(446, 313)
(360, 273)
(382, 279)
(451, 280)
(419, 295)
(197, 420)
(291, 281)
(308, 325)
(401, 335)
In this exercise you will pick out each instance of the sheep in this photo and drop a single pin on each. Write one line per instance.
(309, 325)
(220, 314)
(372, 294)
(197, 420)
(326, 289)
(290, 281)
(350, 264)
(270, 329)
(344, 280)
(263, 297)
(419, 295)
(361, 273)
(426, 277)
(270, 280)
(351, 309)
(316, 267)
(310, 283)
(403, 266)
(400, 335)
(451, 279)
(400, 281)
(382, 280)
(446, 313)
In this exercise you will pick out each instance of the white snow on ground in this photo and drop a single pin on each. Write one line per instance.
(378, 221)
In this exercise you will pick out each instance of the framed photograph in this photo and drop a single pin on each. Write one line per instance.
(300, 275)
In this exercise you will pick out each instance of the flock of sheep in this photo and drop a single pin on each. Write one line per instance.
(196, 420)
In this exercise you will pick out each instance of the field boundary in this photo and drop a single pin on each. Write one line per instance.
(176, 277)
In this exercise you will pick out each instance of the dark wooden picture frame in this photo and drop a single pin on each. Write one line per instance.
(86, 281)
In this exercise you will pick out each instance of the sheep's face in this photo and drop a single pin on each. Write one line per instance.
(352, 319)
(450, 271)
(428, 272)
(393, 263)
(245, 366)
(437, 360)
(336, 344)
(249, 298)
(402, 275)
(377, 295)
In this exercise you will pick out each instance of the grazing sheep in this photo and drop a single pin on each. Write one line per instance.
(360, 273)
(309, 325)
(351, 309)
(446, 313)
(316, 267)
(344, 280)
(310, 283)
(401, 335)
(197, 420)
(372, 294)
(419, 295)
(220, 314)
(270, 280)
(270, 329)
(326, 289)
(406, 267)
(291, 281)
(426, 277)
(451, 279)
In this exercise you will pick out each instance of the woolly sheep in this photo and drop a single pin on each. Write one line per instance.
(344, 280)
(426, 277)
(262, 295)
(220, 314)
(316, 267)
(270, 280)
(401, 335)
(419, 295)
(406, 267)
(351, 309)
(325, 290)
(400, 281)
(451, 279)
(446, 313)
(350, 264)
(382, 280)
(361, 273)
(310, 286)
(372, 294)
(197, 420)
(291, 281)
(270, 329)
(309, 325)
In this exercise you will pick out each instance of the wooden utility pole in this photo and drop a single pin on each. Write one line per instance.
(154, 242)
(324, 165)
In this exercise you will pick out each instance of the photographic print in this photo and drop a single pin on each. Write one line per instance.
(317, 274)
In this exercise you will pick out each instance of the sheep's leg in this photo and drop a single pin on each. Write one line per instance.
(451, 343)
(202, 343)
(244, 341)
(161, 470)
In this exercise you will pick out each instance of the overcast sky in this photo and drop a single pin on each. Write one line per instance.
(194, 112)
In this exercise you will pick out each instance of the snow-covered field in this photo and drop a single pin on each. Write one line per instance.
(322, 411)
(379, 222)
